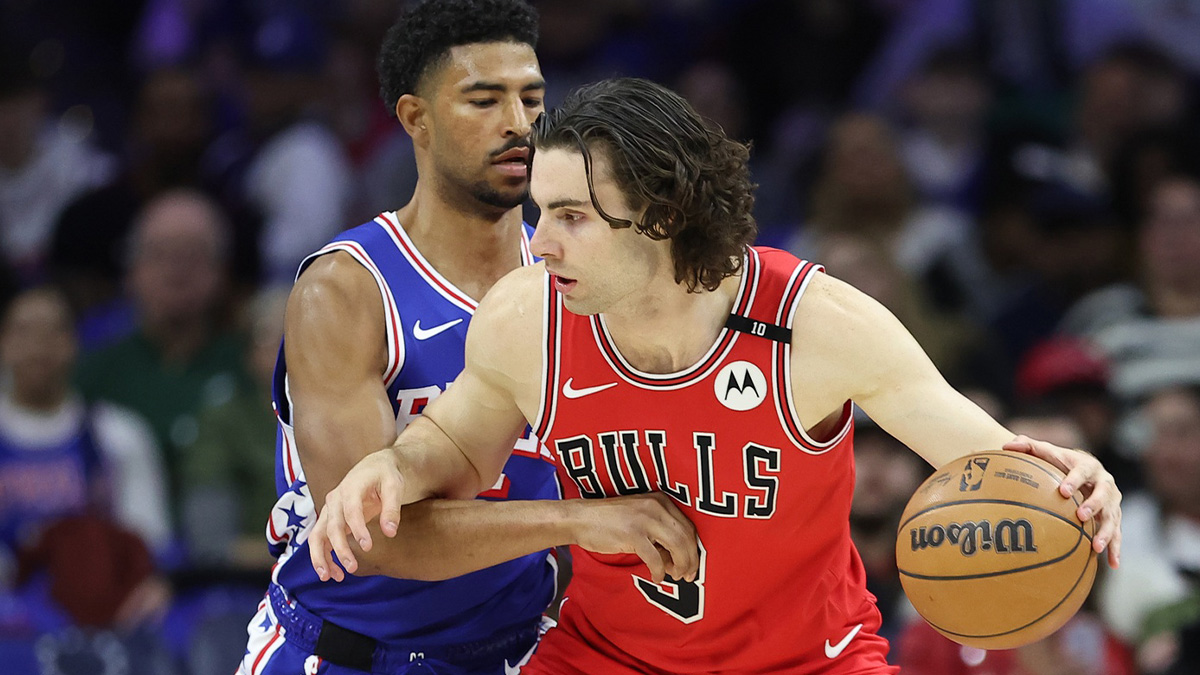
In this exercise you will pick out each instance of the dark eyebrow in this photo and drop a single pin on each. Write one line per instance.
(558, 204)
(497, 87)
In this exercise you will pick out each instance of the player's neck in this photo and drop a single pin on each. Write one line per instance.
(471, 248)
(666, 329)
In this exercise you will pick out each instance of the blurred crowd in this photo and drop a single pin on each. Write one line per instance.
(1017, 180)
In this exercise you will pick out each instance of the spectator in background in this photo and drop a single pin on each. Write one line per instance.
(714, 91)
(229, 474)
(863, 189)
(82, 507)
(1070, 375)
(169, 132)
(44, 164)
(1151, 331)
(179, 357)
(1171, 637)
(298, 177)
(1030, 48)
(944, 140)
(1163, 522)
(59, 456)
(1130, 88)
(1047, 240)
(952, 344)
(1144, 161)
(1170, 643)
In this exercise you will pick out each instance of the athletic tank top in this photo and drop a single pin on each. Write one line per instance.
(427, 320)
(779, 574)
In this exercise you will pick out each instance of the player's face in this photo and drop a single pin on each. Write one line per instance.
(596, 267)
(483, 102)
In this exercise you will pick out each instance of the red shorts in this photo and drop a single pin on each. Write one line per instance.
(574, 648)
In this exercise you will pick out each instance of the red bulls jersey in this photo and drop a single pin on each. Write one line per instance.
(781, 588)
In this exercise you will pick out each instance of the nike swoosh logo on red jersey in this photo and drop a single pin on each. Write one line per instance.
(833, 651)
(571, 392)
(426, 333)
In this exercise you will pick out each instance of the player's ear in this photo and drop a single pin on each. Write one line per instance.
(412, 111)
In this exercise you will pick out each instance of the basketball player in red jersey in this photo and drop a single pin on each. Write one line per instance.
(677, 359)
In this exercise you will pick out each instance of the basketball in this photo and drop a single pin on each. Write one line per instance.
(991, 554)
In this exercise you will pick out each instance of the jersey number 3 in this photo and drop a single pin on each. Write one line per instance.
(683, 600)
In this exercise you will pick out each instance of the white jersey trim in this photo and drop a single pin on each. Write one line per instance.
(784, 389)
(393, 323)
(694, 373)
(391, 224)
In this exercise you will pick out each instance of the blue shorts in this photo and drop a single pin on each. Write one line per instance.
(284, 635)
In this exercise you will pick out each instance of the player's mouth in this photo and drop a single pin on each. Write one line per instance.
(513, 162)
(563, 284)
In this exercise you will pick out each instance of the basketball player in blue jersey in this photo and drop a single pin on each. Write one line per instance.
(375, 330)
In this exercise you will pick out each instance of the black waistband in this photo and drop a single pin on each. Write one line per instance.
(350, 649)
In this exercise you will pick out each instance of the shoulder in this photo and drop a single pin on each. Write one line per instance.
(830, 302)
(334, 311)
(841, 332)
(333, 280)
(515, 301)
(507, 326)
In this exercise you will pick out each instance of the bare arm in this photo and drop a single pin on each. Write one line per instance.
(457, 449)
(335, 345)
(862, 353)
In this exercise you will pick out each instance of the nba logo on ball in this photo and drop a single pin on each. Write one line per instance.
(972, 475)
(991, 554)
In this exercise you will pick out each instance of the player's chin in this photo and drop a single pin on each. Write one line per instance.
(580, 306)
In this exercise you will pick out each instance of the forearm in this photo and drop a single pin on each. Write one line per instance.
(441, 538)
(939, 423)
(432, 464)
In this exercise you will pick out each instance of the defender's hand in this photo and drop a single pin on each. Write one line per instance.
(1085, 474)
(648, 525)
(374, 488)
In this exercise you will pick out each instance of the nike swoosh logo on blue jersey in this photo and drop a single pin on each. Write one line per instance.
(426, 333)
(571, 392)
(832, 651)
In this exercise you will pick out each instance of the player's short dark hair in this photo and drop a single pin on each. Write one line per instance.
(426, 31)
(691, 178)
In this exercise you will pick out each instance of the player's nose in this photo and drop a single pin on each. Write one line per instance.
(517, 120)
(544, 243)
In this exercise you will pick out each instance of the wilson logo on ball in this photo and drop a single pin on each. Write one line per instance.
(1008, 536)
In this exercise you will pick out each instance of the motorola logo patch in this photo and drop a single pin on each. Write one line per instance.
(740, 386)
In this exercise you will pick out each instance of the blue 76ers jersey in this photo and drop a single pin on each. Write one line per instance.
(427, 321)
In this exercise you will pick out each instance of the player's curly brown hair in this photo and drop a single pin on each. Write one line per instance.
(691, 178)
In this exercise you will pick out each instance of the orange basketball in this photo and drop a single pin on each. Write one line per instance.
(991, 554)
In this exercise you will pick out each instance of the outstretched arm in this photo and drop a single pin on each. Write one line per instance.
(457, 449)
(862, 353)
